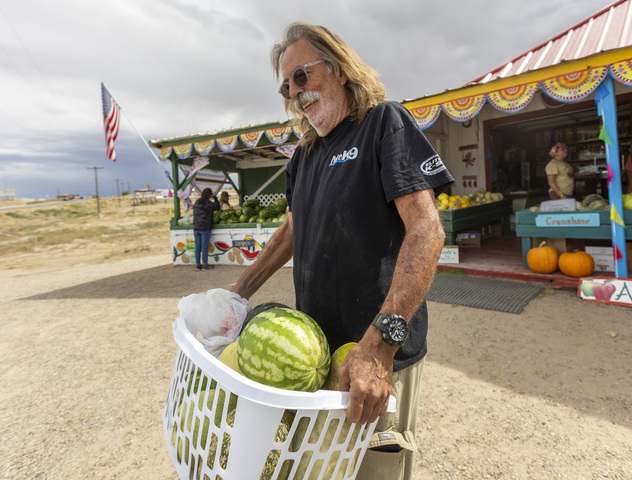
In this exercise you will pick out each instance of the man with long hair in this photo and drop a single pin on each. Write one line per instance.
(364, 263)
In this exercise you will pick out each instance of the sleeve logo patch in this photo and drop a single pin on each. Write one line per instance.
(432, 166)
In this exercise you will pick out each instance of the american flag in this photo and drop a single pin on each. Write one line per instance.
(111, 120)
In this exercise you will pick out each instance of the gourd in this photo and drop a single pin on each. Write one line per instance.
(576, 264)
(542, 259)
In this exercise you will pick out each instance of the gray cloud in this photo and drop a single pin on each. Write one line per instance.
(180, 66)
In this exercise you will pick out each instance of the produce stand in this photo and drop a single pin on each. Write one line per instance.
(581, 224)
(475, 216)
(252, 161)
(230, 244)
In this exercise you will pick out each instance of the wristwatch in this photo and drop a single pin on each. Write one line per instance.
(394, 328)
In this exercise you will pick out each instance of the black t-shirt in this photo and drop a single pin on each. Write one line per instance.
(347, 231)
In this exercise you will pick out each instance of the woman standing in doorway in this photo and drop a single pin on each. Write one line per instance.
(559, 173)
(203, 210)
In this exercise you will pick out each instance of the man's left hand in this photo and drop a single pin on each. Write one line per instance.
(366, 374)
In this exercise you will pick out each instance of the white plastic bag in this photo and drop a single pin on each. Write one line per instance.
(217, 316)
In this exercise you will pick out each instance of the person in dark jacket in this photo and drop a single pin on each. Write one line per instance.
(203, 210)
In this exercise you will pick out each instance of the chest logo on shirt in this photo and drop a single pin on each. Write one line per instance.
(344, 156)
(432, 166)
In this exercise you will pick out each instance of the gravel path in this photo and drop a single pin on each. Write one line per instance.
(87, 354)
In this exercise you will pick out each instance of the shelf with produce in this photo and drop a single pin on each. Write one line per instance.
(251, 215)
(476, 216)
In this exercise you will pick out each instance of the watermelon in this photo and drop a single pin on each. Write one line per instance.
(252, 203)
(281, 204)
(284, 348)
(226, 214)
(258, 309)
(249, 211)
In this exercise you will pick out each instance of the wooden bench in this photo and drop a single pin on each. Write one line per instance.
(527, 229)
(471, 217)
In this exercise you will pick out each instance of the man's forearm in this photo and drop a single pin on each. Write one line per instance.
(367, 371)
(415, 267)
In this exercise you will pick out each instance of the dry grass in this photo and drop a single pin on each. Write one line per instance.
(73, 233)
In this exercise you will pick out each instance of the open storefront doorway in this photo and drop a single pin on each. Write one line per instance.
(521, 145)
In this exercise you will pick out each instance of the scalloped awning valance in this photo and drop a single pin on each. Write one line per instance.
(569, 82)
(250, 139)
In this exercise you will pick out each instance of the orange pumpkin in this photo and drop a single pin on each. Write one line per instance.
(576, 264)
(542, 259)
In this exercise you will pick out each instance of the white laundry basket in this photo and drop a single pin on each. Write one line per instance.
(220, 425)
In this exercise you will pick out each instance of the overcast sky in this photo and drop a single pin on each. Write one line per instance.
(178, 67)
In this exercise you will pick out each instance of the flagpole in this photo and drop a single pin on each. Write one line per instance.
(149, 148)
(139, 134)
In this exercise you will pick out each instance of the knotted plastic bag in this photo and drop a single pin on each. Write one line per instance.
(217, 316)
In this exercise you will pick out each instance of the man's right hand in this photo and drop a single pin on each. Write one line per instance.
(366, 374)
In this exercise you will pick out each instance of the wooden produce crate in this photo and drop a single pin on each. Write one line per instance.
(463, 219)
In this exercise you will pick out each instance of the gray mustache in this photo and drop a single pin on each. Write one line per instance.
(306, 97)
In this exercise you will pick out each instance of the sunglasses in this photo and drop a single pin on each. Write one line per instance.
(299, 78)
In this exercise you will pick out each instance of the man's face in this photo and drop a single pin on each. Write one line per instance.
(323, 100)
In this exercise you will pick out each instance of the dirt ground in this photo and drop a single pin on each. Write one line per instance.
(87, 355)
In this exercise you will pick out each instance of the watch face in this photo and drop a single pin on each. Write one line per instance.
(398, 330)
(394, 328)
